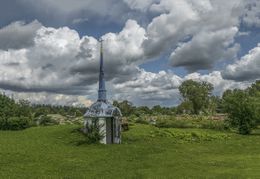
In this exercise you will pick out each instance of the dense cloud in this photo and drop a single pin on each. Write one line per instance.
(18, 35)
(220, 84)
(162, 88)
(69, 8)
(251, 16)
(42, 67)
(62, 62)
(205, 49)
(143, 5)
(199, 33)
(149, 88)
(59, 63)
(245, 69)
(149, 84)
(63, 12)
(50, 98)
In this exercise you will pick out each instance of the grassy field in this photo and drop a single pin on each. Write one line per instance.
(146, 152)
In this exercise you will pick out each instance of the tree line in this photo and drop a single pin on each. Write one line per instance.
(22, 114)
(241, 106)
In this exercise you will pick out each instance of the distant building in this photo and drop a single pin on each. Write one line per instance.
(103, 114)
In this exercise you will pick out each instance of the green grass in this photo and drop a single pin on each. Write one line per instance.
(185, 121)
(146, 152)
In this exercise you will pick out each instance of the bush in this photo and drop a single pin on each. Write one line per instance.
(214, 124)
(14, 123)
(188, 121)
(242, 111)
(93, 134)
(125, 126)
(166, 123)
(45, 120)
(141, 121)
(131, 118)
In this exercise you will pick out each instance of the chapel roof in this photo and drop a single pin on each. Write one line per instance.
(102, 109)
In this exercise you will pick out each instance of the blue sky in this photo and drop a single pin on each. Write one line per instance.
(49, 49)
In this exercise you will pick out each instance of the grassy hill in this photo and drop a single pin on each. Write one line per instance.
(146, 152)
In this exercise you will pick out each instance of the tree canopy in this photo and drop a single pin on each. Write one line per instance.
(243, 107)
(196, 94)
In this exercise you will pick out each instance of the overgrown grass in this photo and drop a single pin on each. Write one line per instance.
(146, 152)
(186, 121)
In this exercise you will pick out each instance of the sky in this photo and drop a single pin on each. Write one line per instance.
(49, 50)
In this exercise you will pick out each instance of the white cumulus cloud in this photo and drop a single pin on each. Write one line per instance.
(245, 69)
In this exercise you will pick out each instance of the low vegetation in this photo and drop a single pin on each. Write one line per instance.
(243, 108)
(15, 123)
(240, 109)
(193, 122)
(18, 115)
(197, 139)
(146, 152)
(92, 133)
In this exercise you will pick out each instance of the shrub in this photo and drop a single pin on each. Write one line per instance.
(125, 126)
(14, 123)
(214, 124)
(141, 121)
(188, 121)
(242, 111)
(93, 134)
(45, 120)
(131, 118)
(166, 123)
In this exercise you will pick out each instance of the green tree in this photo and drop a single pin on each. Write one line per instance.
(25, 108)
(254, 89)
(125, 106)
(13, 116)
(185, 107)
(242, 109)
(157, 109)
(15, 123)
(197, 93)
(214, 106)
(144, 110)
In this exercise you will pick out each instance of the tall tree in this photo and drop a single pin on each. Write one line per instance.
(242, 109)
(197, 93)
(254, 89)
(125, 106)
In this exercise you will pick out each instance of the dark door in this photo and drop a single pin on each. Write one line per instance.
(110, 130)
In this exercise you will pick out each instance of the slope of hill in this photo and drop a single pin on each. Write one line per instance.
(146, 152)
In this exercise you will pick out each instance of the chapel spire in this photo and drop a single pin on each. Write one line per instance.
(102, 87)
